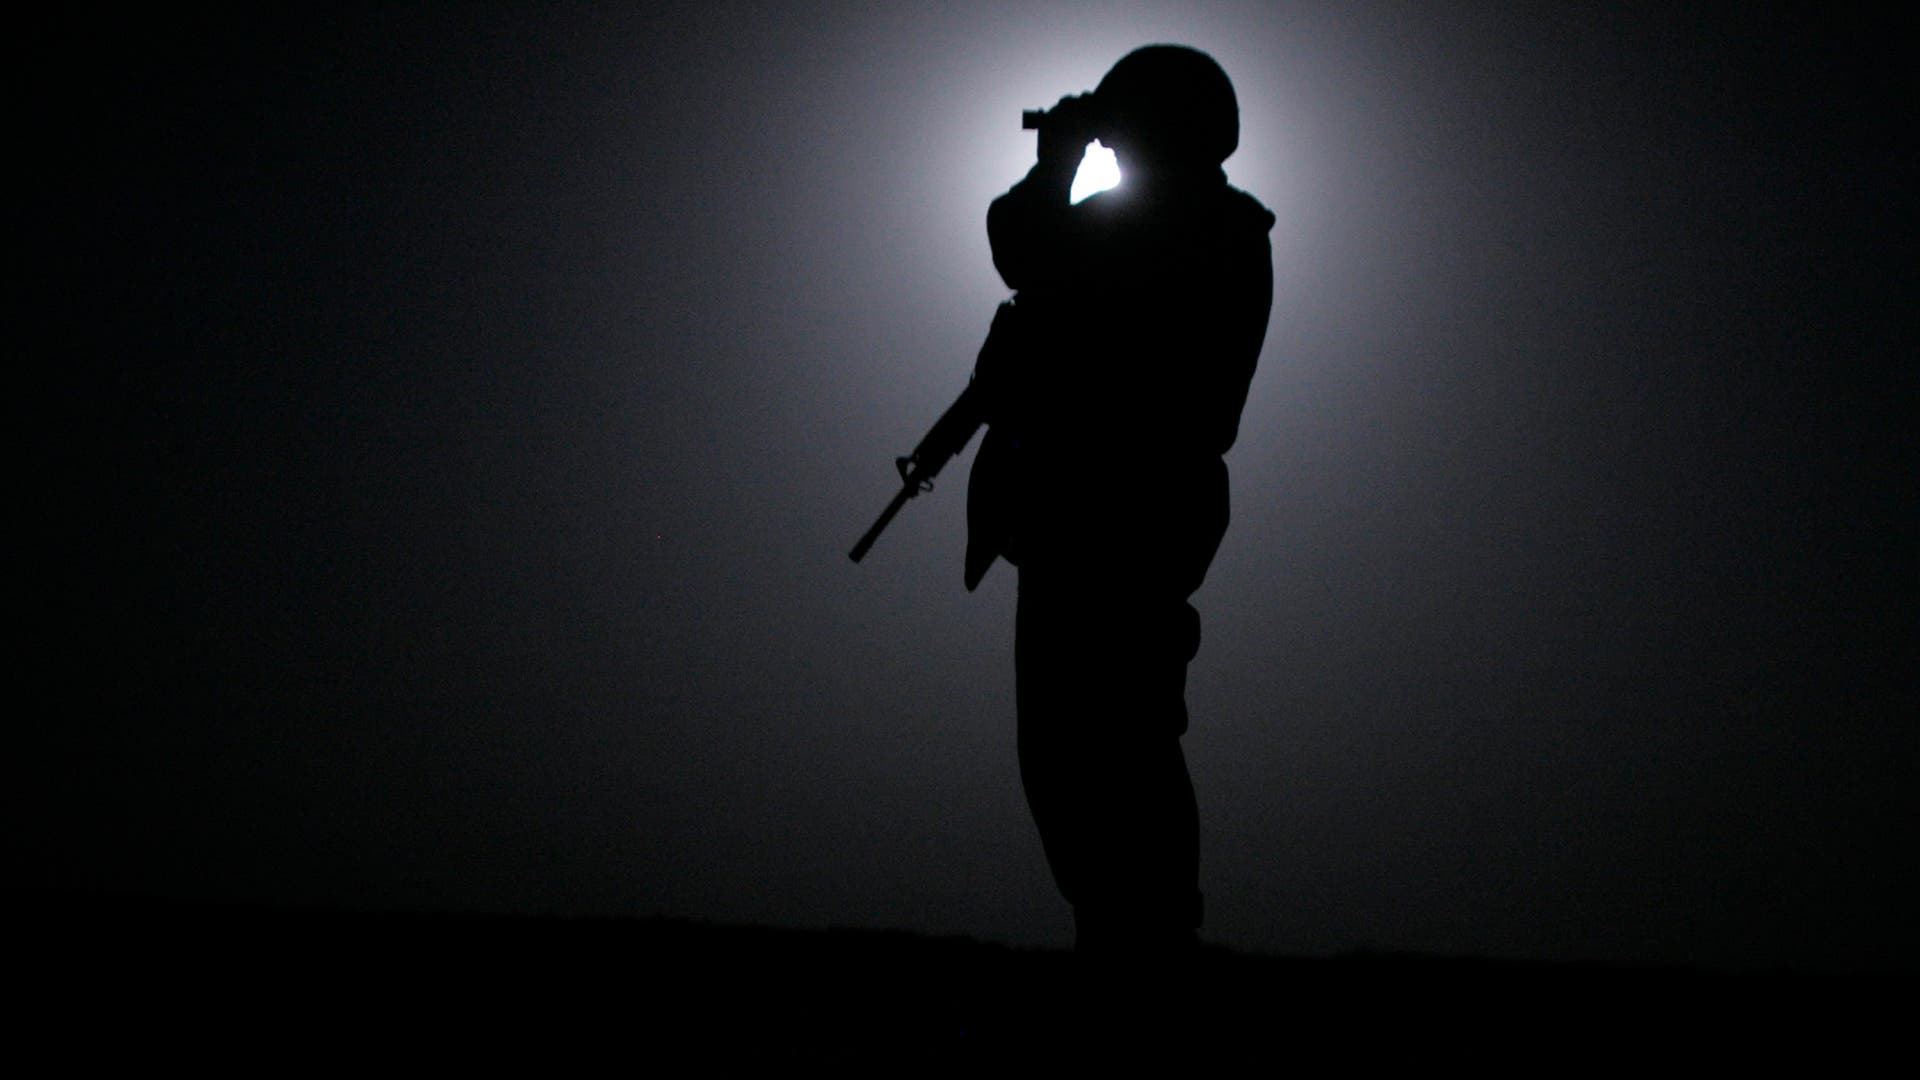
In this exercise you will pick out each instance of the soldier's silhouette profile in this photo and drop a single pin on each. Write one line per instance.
(1116, 388)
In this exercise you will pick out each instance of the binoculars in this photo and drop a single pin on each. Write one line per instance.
(1084, 109)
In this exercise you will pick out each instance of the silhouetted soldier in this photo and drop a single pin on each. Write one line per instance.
(1139, 316)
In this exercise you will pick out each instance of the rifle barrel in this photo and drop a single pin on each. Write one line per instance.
(908, 491)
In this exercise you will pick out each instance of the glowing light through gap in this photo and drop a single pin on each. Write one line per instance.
(1098, 171)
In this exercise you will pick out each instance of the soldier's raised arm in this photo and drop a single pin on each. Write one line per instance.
(1027, 226)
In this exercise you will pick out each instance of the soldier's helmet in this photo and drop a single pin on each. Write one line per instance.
(1172, 102)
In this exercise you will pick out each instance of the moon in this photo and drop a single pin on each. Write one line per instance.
(1098, 171)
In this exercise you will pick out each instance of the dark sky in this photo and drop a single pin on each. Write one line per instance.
(456, 420)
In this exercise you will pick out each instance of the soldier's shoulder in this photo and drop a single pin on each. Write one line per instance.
(1245, 211)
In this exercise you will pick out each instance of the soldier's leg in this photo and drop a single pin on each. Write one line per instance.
(1100, 684)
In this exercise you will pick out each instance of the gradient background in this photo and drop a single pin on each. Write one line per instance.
(446, 426)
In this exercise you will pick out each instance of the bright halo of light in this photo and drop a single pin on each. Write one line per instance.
(1098, 171)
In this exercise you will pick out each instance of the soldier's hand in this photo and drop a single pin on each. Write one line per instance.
(1066, 131)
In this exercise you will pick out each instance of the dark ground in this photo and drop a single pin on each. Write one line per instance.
(116, 979)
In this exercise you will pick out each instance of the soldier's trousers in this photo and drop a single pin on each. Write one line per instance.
(1101, 689)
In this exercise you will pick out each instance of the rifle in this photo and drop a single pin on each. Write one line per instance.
(951, 433)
